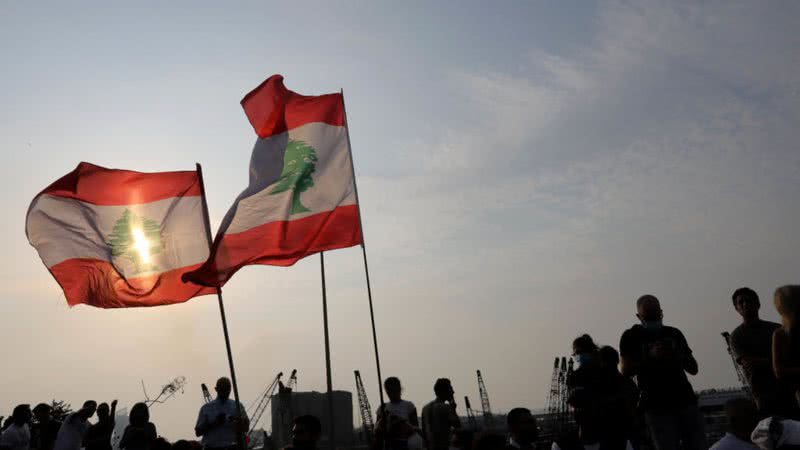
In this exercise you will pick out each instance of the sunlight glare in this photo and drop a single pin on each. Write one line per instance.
(141, 245)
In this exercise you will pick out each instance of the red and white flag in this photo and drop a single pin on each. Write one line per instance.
(117, 238)
(301, 196)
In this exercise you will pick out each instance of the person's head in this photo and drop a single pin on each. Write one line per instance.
(746, 302)
(161, 444)
(182, 444)
(88, 409)
(742, 417)
(305, 432)
(103, 412)
(139, 415)
(787, 302)
(461, 439)
(443, 389)
(489, 441)
(584, 349)
(648, 310)
(522, 425)
(393, 388)
(42, 412)
(609, 358)
(223, 388)
(21, 414)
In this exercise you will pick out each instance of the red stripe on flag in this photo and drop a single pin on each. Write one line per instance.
(281, 243)
(97, 283)
(272, 109)
(100, 186)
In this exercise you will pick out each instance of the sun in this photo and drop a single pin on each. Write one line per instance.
(141, 244)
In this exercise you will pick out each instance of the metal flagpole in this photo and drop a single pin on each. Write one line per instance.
(364, 253)
(331, 443)
(239, 437)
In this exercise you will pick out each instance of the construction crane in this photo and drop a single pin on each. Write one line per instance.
(292, 380)
(564, 417)
(473, 423)
(366, 410)
(488, 419)
(262, 402)
(167, 391)
(206, 395)
(552, 396)
(736, 366)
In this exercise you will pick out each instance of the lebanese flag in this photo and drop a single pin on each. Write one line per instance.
(301, 197)
(117, 239)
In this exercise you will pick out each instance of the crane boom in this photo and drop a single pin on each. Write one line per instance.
(488, 419)
(206, 394)
(365, 409)
(473, 423)
(263, 402)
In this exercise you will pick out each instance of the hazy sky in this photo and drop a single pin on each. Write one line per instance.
(526, 171)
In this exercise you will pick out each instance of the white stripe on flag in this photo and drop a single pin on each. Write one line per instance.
(333, 177)
(63, 228)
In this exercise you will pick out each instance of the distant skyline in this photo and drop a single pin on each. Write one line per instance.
(526, 171)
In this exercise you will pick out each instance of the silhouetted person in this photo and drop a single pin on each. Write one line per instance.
(396, 406)
(140, 434)
(660, 358)
(99, 435)
(751, 344)
(522, 429)
(45, 429)
(221, 419)
(586, 386)
(439, 417)
(17, 436)
(161, 443)
(742, 417)
(786, 339)
(624, 396)
(76, 425)
(597, 396)
(306, 431)
(489, 441)
(461, 440)
(397, 412)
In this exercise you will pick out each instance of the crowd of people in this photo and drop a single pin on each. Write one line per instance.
(640, 396)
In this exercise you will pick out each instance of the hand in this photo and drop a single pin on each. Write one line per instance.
(662, 351)
(114, 403)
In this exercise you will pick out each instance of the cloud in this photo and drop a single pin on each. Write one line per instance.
(658, 154)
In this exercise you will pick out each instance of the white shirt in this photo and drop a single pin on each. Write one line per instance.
(70, 435)
(223, 435)
(403, 409)
(18, 437)
(731, 442)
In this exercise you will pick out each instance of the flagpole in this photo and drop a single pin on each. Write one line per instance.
(364, 253)
(331, 443)
(239, 438)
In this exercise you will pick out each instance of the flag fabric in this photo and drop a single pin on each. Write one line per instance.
(117, 238)
(301, 194)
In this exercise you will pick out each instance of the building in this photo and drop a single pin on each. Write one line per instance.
(712, 404)
(284, 407)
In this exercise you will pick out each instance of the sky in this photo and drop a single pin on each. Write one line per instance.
(526, 171)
